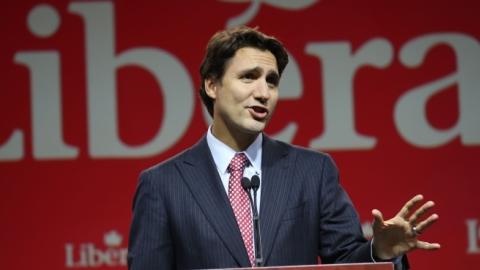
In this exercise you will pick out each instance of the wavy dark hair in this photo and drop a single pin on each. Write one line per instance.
(223, 46)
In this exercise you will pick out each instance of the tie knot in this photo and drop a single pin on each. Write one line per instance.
(238, 163)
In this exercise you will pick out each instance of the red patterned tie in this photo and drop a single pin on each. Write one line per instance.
(240, 202)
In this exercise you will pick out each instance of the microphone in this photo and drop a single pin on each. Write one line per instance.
(255, 183)
(247, 185)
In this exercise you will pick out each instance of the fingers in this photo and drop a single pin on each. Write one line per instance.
(422, 226)
(409, 206)
(425, 207)
(427, 245)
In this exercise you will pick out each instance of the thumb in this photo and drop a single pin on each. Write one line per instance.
(377, 219)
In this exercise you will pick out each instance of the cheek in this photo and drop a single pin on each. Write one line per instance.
(273, 99)
(240, 94)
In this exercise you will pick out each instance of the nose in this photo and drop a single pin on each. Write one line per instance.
(262, 91)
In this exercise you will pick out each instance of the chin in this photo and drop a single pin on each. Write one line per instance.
(255, 128)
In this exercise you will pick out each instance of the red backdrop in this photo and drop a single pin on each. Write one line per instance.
(92, 92)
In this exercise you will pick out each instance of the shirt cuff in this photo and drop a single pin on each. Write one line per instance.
(395, 260)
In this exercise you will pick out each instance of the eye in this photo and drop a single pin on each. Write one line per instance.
(249, 76)
(272, 80)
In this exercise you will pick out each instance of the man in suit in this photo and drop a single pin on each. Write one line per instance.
(190, 212)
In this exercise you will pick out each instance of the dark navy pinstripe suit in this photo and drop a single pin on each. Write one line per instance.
(182, 218)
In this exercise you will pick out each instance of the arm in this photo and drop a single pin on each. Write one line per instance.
(341, 237)
(150, 244)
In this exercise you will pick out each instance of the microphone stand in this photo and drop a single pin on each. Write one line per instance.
(247, 186)
(256, 223)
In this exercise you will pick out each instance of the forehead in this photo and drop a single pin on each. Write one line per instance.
(249, 58)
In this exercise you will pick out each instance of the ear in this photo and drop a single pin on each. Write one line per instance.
(211, 88)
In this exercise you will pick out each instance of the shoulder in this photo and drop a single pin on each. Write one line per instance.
(300, 153)
(302, 159)
(170, 167)
(165, 165)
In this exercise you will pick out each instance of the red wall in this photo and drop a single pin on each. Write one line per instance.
(92, 92)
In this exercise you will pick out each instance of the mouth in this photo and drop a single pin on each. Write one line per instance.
(258, 112)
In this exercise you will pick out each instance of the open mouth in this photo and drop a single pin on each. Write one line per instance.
(258, 112)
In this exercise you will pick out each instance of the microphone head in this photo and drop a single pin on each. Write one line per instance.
(246, 184)
(255, 183)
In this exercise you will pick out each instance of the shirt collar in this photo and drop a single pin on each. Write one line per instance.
(223, 154)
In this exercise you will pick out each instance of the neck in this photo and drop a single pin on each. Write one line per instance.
(238, 141)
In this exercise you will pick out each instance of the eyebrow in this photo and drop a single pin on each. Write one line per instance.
(259, 70)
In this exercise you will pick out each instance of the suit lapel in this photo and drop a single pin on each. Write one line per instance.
(201, 176)
(276, 182)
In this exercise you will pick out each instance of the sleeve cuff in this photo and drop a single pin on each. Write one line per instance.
(395, 260)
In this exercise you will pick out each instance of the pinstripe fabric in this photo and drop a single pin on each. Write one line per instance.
(182, 218)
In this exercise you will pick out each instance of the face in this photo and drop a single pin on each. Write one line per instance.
(247, 94)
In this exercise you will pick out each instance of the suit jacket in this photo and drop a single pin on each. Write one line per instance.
(182, 218)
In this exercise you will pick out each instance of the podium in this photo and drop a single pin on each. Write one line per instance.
(350, 266)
